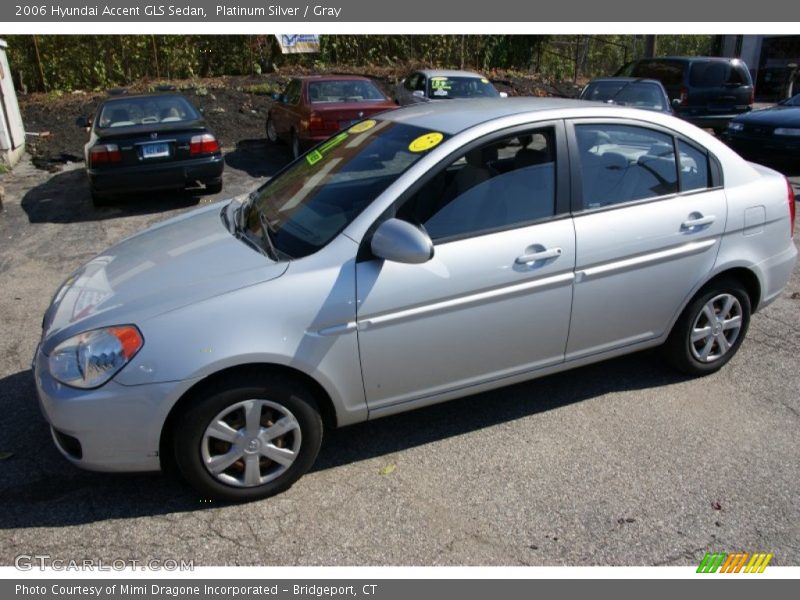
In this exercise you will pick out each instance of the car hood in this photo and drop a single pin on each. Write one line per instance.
(781, 116)
(181, 261)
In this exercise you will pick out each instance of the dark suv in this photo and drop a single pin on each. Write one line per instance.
(705, 91)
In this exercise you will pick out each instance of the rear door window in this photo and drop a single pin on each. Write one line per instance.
(668, 72)
(624, 163)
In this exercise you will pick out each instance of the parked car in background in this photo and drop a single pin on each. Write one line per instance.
(313, 108)
(767, 135)
(647, 94)
(430, 84)
(706, 91)
(147, 142)
(418, 256)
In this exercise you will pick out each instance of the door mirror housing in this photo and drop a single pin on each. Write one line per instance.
(402, 242)
(277, 97)
(418, 94)
(82, 122)
(676, 102)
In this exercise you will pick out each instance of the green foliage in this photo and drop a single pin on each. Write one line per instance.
(95, 62)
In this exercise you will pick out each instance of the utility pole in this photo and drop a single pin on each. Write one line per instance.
(649, 46)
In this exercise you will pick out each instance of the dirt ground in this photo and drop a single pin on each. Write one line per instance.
(235, 107)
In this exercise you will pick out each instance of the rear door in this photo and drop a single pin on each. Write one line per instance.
(284, 112)
(719, 86)
(647, 225)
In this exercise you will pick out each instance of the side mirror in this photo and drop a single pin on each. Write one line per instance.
(277, 97)
(418, 94)
(504, 94)
(676, 102)
(82, 122)
(402, 242)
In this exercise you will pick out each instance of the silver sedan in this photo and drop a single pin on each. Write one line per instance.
(430, 252)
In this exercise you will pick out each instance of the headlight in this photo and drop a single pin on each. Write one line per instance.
(786, 131)
(90, 359)
(733, 126)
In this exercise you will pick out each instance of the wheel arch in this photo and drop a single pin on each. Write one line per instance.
(323, 399)
(747, 277)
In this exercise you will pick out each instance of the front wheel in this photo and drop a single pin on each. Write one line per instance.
(710, 329)
(296, 150)
(248, 440)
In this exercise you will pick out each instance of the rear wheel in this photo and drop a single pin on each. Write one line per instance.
(272, 133)
(99, 199)
(214, 187)
(245, 440)
(711, 328)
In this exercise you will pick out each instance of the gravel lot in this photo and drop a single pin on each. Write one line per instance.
(621, 463)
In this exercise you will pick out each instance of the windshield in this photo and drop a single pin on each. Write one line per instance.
(640, 95)
(343, 91)
(318, 195)
(143, 110)
(460, 87)
(793, 101)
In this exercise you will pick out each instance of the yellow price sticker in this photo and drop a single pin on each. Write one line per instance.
(363, 126)
(426, 142)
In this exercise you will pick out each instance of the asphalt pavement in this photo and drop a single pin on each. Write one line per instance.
(620, 463)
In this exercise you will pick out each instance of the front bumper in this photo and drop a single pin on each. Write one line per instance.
(118, 427)
(762, 147)
(716, 122)
(157, 176)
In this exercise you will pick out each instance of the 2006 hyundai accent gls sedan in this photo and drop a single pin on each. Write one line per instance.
(424, 254)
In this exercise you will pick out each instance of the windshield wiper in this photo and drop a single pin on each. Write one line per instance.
(613, 98)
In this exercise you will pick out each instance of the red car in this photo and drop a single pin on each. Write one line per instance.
(313, 108)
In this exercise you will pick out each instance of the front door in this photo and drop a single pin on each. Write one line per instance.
(495, 299)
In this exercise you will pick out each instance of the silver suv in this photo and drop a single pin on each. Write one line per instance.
(432, 252)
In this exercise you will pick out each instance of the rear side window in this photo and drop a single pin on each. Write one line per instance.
(717, 73)
(668, 72)
(694, 170)
(624, 163)
(292, 94)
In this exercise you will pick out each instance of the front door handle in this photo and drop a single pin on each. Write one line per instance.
(696, 220)
(527, 259)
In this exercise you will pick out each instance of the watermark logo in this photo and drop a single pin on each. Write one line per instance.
(738, 562)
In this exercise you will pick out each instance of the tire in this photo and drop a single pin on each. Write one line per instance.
(249, 470)
(272, 133)
(710, 329)
(99, 199)
(295, 145)
(214, 187)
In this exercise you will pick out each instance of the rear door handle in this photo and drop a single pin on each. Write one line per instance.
(527, 259)
(696, 220)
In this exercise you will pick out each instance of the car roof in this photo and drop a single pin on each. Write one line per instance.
(333, 78)
(454, 116)
(625, 80)
(691, 58)
(449, 73)
(124, 97)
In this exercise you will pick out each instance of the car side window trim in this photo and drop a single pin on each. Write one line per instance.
(562, 192)
(576, 180)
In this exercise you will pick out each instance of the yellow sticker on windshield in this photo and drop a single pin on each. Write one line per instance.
(426, 142)
(363, 126)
